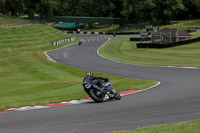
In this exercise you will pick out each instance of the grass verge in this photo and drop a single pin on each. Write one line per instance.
(126, 51)
(27, 78)
(186, 127)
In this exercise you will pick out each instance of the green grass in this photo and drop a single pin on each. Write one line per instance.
(27, 78)
(186, 55)
(186, 127)
(9, 21)
(195, 34)
(126, 51)
(184, 24)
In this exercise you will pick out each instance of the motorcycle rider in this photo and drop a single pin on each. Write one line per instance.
(98, 83)
(94, 79)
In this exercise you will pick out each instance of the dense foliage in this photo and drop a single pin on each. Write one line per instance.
(153, 11)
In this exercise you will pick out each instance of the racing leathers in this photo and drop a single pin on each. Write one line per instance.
(94, 79)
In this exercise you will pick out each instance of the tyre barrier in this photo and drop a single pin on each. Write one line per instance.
(56, 43)
(81, 32)
(140, 39)
(167, 45)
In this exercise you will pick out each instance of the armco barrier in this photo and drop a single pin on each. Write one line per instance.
(63, 41)
(167, 45)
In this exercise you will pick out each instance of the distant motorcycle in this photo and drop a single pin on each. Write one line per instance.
(101, 94)
(80, 42)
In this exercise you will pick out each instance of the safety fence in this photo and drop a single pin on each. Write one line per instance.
(63, 41)
(104, 33)
(157, 45)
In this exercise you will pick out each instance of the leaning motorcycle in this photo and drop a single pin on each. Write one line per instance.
(101, 94)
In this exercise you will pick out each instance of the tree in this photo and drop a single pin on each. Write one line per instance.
(61, 8)
(196, 3)
(157, 11)
(14, 6)
(2, 6)
(193, 8)
(45, 8)
(127, 11)
(105, 7)
(147, 11)
(118, 6)
(87, 8)
(31, 8)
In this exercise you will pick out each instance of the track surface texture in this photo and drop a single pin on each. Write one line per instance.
(177, 99)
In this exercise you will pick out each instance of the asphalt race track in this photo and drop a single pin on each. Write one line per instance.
(176, 99)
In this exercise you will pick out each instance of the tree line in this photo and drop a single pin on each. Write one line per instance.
(151, 11)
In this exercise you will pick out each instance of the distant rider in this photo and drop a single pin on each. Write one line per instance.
(80, 42)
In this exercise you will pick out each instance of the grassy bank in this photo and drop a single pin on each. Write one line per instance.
(28, 78)
(126, 51)
(184, 24)
(6, 21)
(186, 127)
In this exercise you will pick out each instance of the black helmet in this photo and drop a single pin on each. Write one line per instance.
(89, 73)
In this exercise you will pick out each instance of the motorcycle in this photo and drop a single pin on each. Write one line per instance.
(101, 94)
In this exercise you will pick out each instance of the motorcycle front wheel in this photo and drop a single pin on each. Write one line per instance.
(117, 96)
(96, 95)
